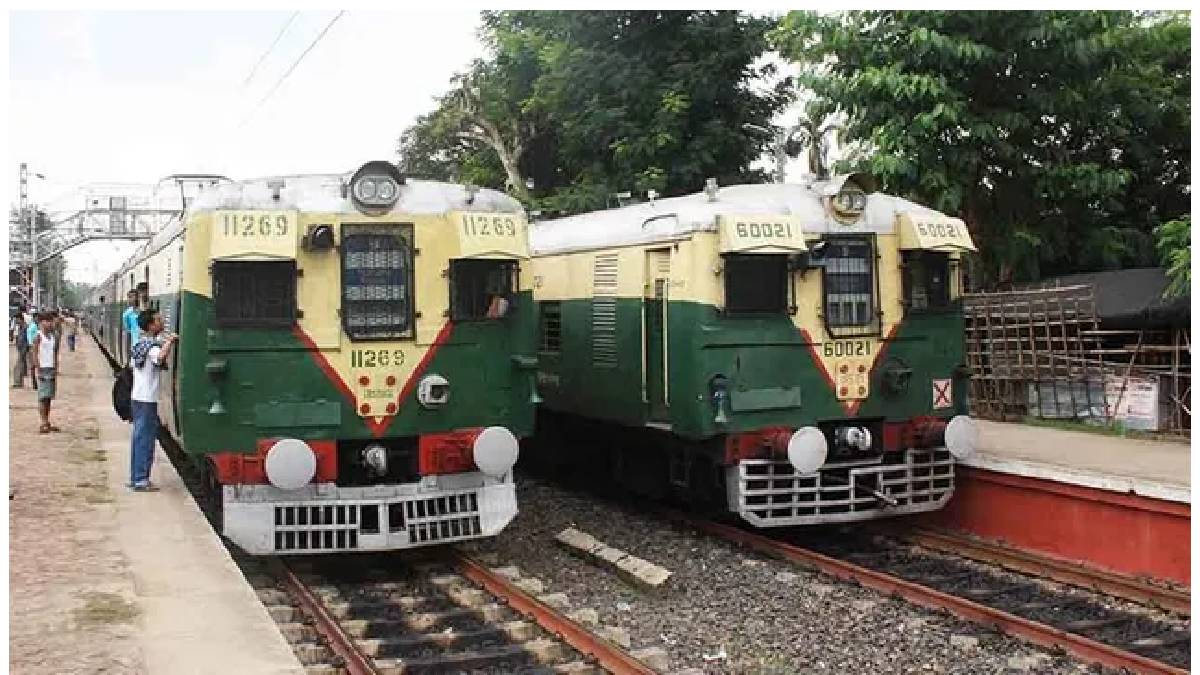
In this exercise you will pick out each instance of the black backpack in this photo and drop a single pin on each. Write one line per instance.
(122, 394)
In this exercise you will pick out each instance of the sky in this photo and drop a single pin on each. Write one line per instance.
(132, 96)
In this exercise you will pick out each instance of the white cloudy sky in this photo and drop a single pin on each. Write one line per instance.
(132, 96)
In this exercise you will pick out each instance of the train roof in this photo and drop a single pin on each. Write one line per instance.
(678, 217)
(322, 193)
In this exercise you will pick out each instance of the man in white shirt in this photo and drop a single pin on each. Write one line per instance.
(44, 369)
(149, 358)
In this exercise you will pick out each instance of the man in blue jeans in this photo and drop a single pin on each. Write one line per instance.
(149, 358)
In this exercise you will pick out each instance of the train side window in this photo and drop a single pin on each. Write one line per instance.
(550, 326)
(926, 280)
(254, 294)
(377, 281)
(756, 283)
(481, 289)
(849, 286)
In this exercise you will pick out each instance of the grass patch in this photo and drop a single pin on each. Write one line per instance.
(105, 609)
(1117, 430)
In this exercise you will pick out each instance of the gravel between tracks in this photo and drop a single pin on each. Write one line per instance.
(729, 610)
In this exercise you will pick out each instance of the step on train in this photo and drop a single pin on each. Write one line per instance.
(789, 353)
(357, 356)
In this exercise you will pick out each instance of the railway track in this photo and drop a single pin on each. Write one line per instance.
(1135, 590)
(437, 613)
(1057, 618)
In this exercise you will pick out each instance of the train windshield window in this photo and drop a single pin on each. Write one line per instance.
(254, 294)
(849, 278)
(926, 280)
(756, 284)
(377, 293)
(481, 289)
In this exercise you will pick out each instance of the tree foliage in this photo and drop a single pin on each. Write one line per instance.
(586, 104)
(1062, 138)
(1175, 247)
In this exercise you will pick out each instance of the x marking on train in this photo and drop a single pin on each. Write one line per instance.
(941, 394)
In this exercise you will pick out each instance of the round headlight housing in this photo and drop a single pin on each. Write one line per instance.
(849, 203)
(375, 187)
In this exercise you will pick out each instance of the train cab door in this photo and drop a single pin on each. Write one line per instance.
(655, 304)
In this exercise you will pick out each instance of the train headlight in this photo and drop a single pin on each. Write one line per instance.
(807, 450)
(495, 451)
(375, 187)
(374, 457)
(365, 190)
(290, 464)
(962, 437)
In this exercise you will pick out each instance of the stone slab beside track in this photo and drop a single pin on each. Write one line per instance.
(184, 605)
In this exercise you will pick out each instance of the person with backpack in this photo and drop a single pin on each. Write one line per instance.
(149, 358)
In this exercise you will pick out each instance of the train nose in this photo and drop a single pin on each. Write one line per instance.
(962, 437)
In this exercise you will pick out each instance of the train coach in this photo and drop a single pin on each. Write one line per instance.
(790, 353)
(356, 356)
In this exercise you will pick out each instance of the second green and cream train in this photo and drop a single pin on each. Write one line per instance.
(790, 352)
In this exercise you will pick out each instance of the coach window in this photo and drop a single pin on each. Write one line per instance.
(254, 294)
(927, 280)
(550, 326)
(756, 283)
(849, 286)
(481, 289)
(377, 286)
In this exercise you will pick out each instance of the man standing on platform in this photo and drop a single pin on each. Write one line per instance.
(149, 357)
(71, 327)
(21, 343)
(45, 369)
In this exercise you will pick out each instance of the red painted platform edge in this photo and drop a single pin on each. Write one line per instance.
(1116, 532)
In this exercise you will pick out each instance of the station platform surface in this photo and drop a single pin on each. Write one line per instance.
(193, 610)
(1155, 469)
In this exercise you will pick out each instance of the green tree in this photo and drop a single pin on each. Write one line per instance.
(1062, 138)
(585, 104)
(1175, 247)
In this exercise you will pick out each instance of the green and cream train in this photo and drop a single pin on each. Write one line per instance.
(356, 359)
(791, 353)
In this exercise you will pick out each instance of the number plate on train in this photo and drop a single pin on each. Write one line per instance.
(238, 233)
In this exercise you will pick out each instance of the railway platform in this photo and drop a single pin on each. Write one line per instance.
(139, 580)
(1115, 504)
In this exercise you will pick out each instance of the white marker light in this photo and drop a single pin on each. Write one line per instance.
(496, 451)
(290, 464)
(962, 437)
(807, 450)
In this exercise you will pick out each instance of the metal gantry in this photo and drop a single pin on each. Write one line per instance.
(98, 211)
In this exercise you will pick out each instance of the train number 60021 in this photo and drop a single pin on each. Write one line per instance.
(847, 348)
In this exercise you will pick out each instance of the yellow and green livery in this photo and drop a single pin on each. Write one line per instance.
(790, 352)
(356, 355)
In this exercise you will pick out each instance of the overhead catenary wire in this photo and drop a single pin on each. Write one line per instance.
(270, 49)
(296, 63)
